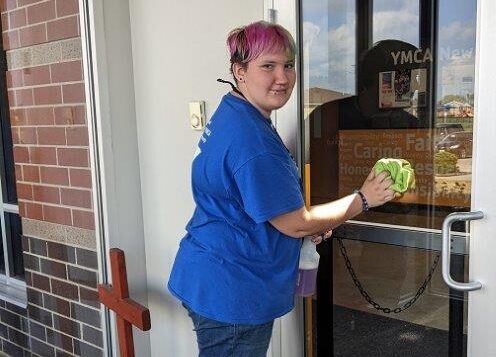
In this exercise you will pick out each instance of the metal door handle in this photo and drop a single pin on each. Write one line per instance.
(446, 250)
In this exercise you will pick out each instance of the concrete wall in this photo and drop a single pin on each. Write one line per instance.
(177, 55)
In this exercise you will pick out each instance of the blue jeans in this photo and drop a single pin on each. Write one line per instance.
(220, 339)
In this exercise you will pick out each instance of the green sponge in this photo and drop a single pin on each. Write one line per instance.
(401, 173)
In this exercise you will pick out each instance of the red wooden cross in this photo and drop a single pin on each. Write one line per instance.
(116, 298)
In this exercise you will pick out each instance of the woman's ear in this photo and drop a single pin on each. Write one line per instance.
(239, 71)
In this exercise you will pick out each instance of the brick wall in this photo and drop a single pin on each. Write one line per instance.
(50, 137)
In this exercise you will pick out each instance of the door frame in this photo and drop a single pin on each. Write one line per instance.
(110, 112)
(481, 303)
(288, 332)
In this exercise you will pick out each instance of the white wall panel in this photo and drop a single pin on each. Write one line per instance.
(178, 52)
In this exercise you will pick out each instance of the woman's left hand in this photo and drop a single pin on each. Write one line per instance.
(319, 238)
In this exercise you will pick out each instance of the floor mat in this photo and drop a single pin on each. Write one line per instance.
(361, 334)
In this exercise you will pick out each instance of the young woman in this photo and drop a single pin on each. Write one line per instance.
(235, 271)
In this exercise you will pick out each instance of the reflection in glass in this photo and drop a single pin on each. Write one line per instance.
(385, 101)
(329, 36)
(397, 20)
(379, 81)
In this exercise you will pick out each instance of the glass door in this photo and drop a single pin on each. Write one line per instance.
(391, 79)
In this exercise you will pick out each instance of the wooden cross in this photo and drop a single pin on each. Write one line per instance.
(116, 298)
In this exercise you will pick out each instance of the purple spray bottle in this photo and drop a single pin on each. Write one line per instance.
(308, 266)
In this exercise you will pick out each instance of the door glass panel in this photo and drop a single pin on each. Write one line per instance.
(397, 20)
(390, 79)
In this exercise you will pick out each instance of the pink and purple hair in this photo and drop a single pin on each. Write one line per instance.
(248, 42)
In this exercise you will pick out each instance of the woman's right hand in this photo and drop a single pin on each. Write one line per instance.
(376, 188)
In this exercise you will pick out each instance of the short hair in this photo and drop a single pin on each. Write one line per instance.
(248, 42)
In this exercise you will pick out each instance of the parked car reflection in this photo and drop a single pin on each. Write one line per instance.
(443, 129)
(458, 143)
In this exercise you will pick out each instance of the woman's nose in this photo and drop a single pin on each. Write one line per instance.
(281, 76)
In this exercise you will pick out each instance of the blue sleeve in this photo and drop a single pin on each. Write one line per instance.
(269, 186)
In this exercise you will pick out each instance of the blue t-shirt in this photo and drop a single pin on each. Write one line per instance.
(233, 265)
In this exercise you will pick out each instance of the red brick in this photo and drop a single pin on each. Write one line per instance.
(47, 95)
(23, 97)
(11, 40)
(27, 135)
(68, 291)
(7, 5)
(15, 135)
(31, 173)
(14, 78)
(73, 157)
(47, 194)
(63, 28)
(89, 297)
(51, 136)
(39, 116)
(12, 100)
(41, 282)
(18, 172)
(21, 154)
(32, 35)
(77, 135)
(80, 177)
(42, 155)
(5, 21)
(33, 210)
(83, 219)
(24, 191)
(17, 18)
(36, 75)
(27, 278)
(73, 93)
(41, 12)
(70, 115)
(27, 2)
(18, 117)
(76, 198)
(22, 208)
(54, 175)
(56, 214)
(67, 72)
(67, 7)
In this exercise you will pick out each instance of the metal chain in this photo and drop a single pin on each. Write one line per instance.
(367, 296)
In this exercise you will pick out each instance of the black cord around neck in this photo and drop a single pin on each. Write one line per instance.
(232, 86)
